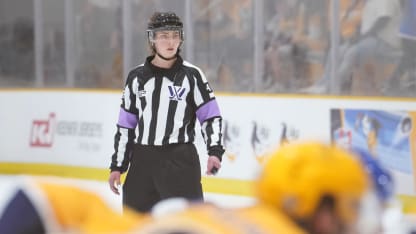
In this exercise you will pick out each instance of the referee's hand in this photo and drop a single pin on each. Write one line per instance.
(213, 165)
(114, 182)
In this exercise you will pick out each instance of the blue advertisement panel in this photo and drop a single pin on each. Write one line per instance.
(388, 135)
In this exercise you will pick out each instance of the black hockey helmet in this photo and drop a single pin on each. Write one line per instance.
(164, 21)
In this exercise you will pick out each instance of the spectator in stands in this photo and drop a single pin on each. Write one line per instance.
(274, 78)
(349, 22)
(377, 41)
(291, 56)
(22, 50)
(231, 30)
(407, 63)
(93, 39)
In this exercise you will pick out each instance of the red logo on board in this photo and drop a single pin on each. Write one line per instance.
(42, 132)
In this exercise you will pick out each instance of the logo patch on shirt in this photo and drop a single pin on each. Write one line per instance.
(176, 92)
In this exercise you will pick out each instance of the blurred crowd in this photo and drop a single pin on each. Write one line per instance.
(374, 53)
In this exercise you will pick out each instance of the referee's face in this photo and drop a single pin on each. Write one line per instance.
(167, 42)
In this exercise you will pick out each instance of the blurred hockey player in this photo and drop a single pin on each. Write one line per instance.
(303, 188)
(50, 205)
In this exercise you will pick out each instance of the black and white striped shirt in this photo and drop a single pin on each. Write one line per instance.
(163, 104)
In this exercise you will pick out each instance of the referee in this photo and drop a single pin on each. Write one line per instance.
(163, 98)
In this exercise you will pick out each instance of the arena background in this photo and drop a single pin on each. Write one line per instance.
(63, 64)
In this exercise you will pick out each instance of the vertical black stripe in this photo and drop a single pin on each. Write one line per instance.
(143, 104)
(189, 112)
(129, 84)
(129, 149)
(187, 120)
(209, 131)
(132, 98)
(141, 129)
(220, 132)
(202, 87)
(181, 137)
(170, 121)
(116, 144)
(155, 109)
(191, 130)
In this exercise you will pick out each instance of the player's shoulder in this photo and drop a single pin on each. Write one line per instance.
(193, 69)
(190, 66)
(135, 73)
